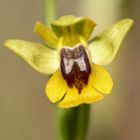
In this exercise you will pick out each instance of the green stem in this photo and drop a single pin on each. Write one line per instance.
(70, 124)
(82, 122)
(50, 11)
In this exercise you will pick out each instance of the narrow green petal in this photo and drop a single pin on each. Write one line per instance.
(88, 28)
(104, 48)
(41, 58)
(46, 34)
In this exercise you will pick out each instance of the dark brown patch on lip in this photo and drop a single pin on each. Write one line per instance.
(75, 66)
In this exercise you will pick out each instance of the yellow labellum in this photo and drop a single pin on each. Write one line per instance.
(56, 87)
(99, 83)
(101, 79)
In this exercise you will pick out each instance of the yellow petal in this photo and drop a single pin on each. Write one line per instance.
(56, 87)
(46, 34)
(101, 79)
(90, 95)
(71, 99)
(88, 28)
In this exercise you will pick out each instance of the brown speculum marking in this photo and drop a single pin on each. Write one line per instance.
(75, 66)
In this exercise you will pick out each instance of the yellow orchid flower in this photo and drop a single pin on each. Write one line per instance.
(74, 62)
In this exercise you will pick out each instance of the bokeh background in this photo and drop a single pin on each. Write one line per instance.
(26, 113)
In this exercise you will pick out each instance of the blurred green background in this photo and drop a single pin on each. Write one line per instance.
(26, 113)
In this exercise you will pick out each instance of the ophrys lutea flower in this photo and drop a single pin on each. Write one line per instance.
(74, 62)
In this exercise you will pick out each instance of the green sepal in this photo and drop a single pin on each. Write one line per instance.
(46, 34)
(71, 28)
(104, 47)
(41, 58)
